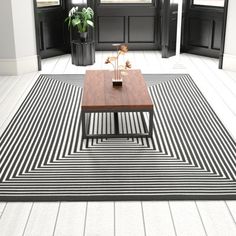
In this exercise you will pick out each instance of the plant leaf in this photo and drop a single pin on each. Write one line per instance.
(89, 22)
(76, 21)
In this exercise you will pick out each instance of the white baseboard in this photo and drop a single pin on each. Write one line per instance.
(18, 66)
(229, 62)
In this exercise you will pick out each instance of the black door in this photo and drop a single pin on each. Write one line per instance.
(132, 22)
(204, 25)
(52, 30)
(169, 27)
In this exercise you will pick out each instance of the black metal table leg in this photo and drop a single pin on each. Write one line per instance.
(116, 123)
(150, 123)
(144, 123)
(83, 124)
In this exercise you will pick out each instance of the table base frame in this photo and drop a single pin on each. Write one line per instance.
(147, 130)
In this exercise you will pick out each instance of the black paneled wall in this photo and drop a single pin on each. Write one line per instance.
(137, 25)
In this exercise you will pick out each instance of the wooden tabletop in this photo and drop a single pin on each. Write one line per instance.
(100, 95)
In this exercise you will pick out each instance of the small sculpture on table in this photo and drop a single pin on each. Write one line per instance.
(119, 70)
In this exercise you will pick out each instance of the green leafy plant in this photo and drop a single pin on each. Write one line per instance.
(80, 19)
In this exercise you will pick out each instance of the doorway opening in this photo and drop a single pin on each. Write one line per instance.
(143, 24)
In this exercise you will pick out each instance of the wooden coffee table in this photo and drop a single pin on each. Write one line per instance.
(99, 96)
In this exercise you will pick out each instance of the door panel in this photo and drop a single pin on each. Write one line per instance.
(217, 31)
(199, 32)
(53, 33)
(169, 27)
(203, 33)
(111, 29)
(141, 29)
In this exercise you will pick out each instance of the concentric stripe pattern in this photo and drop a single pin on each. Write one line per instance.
(42, 155)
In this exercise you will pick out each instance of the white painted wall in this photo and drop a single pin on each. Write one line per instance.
(229, 62)
(18, 43)
(24, 28)
(7, 47)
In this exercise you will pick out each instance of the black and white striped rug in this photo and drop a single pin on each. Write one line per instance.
(42, 157)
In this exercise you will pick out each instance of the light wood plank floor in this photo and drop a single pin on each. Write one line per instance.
(125, 218)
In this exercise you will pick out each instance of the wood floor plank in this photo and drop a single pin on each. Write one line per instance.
(231, 205)
(145, 61)
(99, 219)
(49, 64)
(157, 218)
(42, 219)
(71, 219)
(208, 74)
(14, 219)
(6, 80)
(186, 218)
(3, 79)
(7, 85)
(218, 84)
(139, 61)
(2, 208)
(61, 64)
(231, 74)
(222, 77)
(98, 60)
(70, 68)
(134, 63)
(15, 99)
(216, 218)
(213, 97)
(129, 219)
(155, 57)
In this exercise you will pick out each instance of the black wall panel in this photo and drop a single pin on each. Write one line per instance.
(173, 32)
(217, 31)
(135, 24)
(54, 33)
(111, 29)
(141, 29)
(199, 32)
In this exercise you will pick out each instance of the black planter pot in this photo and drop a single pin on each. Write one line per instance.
(83, 36)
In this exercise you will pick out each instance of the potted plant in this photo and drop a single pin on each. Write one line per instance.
(81, 20)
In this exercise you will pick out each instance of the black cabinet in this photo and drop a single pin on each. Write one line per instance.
(82, 53)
